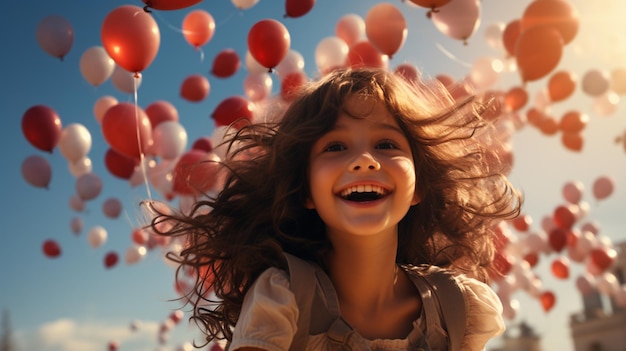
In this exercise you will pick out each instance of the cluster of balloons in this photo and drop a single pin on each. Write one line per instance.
(149, 145)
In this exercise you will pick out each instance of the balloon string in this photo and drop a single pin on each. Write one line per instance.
(451, 55)
(142, 163)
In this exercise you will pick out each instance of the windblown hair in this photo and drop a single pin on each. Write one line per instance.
(259, 214)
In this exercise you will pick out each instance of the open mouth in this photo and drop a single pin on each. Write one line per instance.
(363, 193)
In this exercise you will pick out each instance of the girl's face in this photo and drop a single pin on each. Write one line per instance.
(361, 173)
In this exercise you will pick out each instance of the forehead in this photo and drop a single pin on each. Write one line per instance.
(367, 108)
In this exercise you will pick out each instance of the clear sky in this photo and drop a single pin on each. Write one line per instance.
(74, 303)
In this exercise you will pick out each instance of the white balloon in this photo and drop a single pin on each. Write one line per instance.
(169, 140)
(102, 105)
(485, 72)
(258, 86)
(88, 186)
(293, 62)
(493, 35)
(96, 65)
(75, 142)
(350, 28)
(80, 167)
(97, 236)
(244, 4)
(331, 52)
(253, 65)
(606, 104)
(125, 81)
(135, 254)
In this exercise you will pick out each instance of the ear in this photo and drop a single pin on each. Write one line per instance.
(416, 198)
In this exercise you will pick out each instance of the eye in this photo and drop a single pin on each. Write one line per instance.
(334, 147)
(386, 145)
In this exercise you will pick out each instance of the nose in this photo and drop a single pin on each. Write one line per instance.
(365, 161)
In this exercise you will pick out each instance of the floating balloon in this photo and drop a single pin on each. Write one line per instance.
(97, 236)
(557, 238)
(561, 85)
(547, 299)
(55, 36)
(331, 53)
(493, 35)
(81, 166)
(364, 54)
(510, 35)
(110, 259)
(198, 28)
(112, 207)
(195, 172)
(595, 82)
(485, 72)
(516, 98)
(203, 144)
(101, 106)
(119, 165)
(522, 223)
(88, 186)
(458, 19)
(385, 27)
(140, 236)
(51, 248)
(226, 63)
(160, 111)
(170, 140)
(244, 4)
(430, 4)
(135, 254)
(606, 104)
(131, 37)
(76, 224)
(293, 62)
(603, 187)
(268, 42)
(603, 258)
(195, 88)
(538, 51)
(169, 4)
(291, 85)
(231, 110)
(560, 267)
(573, 121)
(36, 171)
(257, 86)
(573, 191)
(76, 203)
(75, 142)
(127, 129)
(96, 66)
(409, 72)
(618, 81)
(559, 14)
(298, 8)
(42, 127)
(350, 28)
(124, 81)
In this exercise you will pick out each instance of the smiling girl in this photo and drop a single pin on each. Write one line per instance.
(367, 180)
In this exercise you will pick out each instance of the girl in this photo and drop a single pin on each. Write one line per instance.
(365, 177)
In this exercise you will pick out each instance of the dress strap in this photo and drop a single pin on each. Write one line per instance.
(303, 287)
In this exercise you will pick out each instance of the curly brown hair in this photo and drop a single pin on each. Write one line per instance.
(231, 238)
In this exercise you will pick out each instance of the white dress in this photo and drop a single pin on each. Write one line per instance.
(269, 316)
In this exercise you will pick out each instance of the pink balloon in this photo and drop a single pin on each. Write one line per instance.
(88, 186)
(603, 187)
(96, 66)
(350, 28)
(596, 82)
(585, 284)
(101, 106)
(573, 191)
(458, 19)
(161, 111)
(37, 171)
(112, 207)
(257, 86)
(76, 224)
(55, 36)
(385, 27)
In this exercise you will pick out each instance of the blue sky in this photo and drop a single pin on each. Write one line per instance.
(74, 303)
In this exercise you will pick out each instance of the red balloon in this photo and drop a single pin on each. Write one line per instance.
(557, 238)
(364, 54)
(110, 259)
(561, 85)
(131, 37)
(409, 72)
(510, 34)
(195, 88)
(430, 4)
(161, 111)
(127, 129)
(572, 141)
(516, 98)
(232, 109)
(226, 63)
(560, 268)
(203, 144)
(564, 216)
(298, 8)
(602, 187)
(522, 223)
(113, 345)
(538, 51)
(573, 121)
(42, 127)
(603, 258)
(548, 299)
(268, 42)
(119, 165)
(195, 172)
(170, 4)
(532, 258)
(198, 27)
(51, 248)
(560, 14)
(291, 85)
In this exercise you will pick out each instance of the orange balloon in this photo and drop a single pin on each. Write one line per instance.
(538, 51)
(195, 88)
(572, 141)
(532, 258)
(560, 268)
(198, 28)
(169, 4)
(515, 98)
(131, 37)
(548, 299)
(560, 14)
(430, 4)
(510, 34)
(573, 122)
(365, 54)
(127, 129)
(268, 42)
(385, 27)
(561, 85)
(548, 125)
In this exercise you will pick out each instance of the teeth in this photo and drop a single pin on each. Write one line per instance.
(364, 189)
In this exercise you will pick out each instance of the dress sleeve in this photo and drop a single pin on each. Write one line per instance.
(268, 315)
(484, 314)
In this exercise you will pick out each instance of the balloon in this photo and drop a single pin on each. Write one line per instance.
(131, 37)
(110, 259)
(140, 236)
(42, 127)
(603, 187)
(331, 53)
(606, 104)
(502, 264)
(127, 129)
(125, 81)
(97, 236)
(160, 111)
(76, 203)
(573, 122)
(510, 35)
(485, 72)
(76, 224)
(548, 299)
(291, 85)
(573, 191)
(113, 346)
(458, 19)
(409, 72)
(226, 63)
(88, 186)
(80, 167)
(493, 35)
(37, 171)
(548, 125)
(532, 258)
(557, 238)
(561, 85)
(350, 28)
(564, 216)
(257, 86)
(385, 27)
(559, 14)
(119, 165)
(169, 4)
(135, 254)
(585, 284)
(55, 36)
(618, 81)
(595, 82)
(198, 28)
(170, 140)
(538, 51)
(51, 248)
(364, 54)
(603, 258)
(516, 98)
(101, 106)
(195, 172)
(253, 65)
(560, 268)
(96, 66)
(112, 207)
(75, 142)
(195, 88)
(244, 4)
(293, 62)
(430, 4)
(298, 8)
(203, 144)
(268, 42)
(522, 223)
(231, 110)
